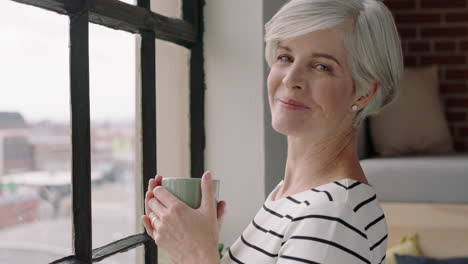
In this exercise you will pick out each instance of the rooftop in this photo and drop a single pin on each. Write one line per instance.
(9, 120)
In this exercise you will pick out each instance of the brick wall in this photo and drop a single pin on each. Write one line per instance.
(436, 32)
(17, 210)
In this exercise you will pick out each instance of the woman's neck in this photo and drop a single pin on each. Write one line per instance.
(311, 163)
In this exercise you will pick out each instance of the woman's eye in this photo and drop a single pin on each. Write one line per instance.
(283, 58)
(322, 67)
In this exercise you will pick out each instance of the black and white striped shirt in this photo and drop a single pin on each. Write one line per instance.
(336, 223)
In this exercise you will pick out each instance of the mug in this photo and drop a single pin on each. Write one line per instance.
(188, 190)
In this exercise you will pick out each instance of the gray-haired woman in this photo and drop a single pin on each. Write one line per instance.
(333, 63)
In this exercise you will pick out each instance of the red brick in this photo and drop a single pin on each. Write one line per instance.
(418, 18)
(453, 88)
(456, 116)
(456, 75)
(435, 32)
(410, 61)
(444, 46)
(404, 46)
(456, 17)
(460, 146)
(457, 102)
(420, 46)
(447, 60)
(9, 213)
(464, 45)
(463, 131)
(400, 4)
(407, 32)
(443, 3)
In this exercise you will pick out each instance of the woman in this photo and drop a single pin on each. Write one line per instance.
(333, 62)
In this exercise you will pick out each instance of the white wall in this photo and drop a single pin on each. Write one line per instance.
(234, 108)
(173, 101)
(173, 116)
(276, 146)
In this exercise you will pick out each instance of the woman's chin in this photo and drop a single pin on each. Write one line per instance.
(290, 128)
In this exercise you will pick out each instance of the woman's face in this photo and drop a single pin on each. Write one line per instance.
(310, 88)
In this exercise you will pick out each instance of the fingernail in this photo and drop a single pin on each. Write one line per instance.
(208, 175)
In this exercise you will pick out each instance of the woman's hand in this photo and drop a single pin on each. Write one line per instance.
(187, 235)
(153, 183)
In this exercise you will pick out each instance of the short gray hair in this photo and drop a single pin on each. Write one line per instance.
(373, 44)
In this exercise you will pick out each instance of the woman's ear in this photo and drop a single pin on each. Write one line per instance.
(364, 99)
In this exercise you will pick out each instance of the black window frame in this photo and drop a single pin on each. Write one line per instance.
(186, 32)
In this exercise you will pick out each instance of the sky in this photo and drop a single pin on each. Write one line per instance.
(34, 66)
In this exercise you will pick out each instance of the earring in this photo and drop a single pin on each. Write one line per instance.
(354, 107)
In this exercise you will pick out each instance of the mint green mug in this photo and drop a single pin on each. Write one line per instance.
(188, 190)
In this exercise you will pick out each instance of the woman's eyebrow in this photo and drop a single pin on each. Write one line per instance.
(326, 56)
(284, 47)
(313, 55)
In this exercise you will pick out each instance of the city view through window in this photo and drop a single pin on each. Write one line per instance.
(35, 136)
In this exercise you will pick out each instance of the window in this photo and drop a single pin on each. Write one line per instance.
(133, 19)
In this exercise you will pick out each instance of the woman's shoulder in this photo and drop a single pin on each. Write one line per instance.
(342, 197)
(345, 198)
(341, 191)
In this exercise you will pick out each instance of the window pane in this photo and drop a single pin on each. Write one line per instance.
(132, 2)
(112, 98)
(35, 147)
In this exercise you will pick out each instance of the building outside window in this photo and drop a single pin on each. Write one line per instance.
(35, 136)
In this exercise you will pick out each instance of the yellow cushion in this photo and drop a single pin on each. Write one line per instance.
(409, 245)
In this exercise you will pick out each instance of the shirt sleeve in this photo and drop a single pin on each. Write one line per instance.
(327, 234)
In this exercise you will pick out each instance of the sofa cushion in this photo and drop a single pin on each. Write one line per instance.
(419, 179)
(409, 245)
(415, 123)
(404, 259)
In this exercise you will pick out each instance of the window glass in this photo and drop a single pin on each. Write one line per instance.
(35, 144)
(35, 136)
(132, 2)
(112, 103)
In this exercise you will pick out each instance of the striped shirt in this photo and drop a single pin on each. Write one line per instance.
(336, 223)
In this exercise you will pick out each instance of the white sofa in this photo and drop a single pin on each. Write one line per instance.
(433, 179)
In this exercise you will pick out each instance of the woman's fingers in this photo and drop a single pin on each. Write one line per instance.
(149, 195)
(155, 206)
(153, 218)
(153, 183)
(221, 212)
(150, 217)
(147, 224)
(158, 180)
(221, 209)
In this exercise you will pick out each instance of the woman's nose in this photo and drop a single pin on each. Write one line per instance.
(294, 78)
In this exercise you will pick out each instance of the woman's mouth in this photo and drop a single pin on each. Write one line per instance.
(291, 104)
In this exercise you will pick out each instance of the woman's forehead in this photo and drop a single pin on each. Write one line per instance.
(325, 41)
